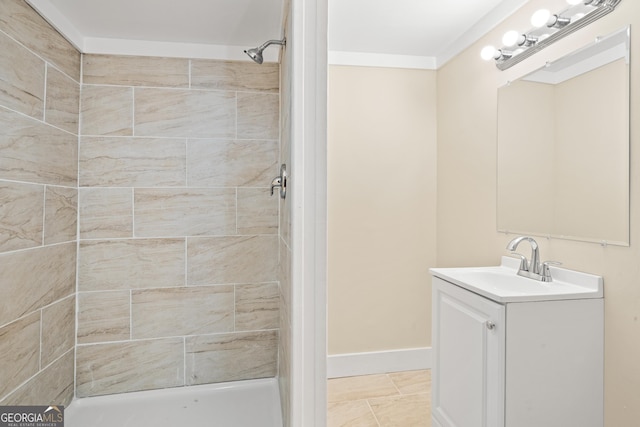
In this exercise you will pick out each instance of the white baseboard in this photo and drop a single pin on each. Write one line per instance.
(378, 362)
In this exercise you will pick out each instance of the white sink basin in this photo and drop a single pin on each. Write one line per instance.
(502, 283)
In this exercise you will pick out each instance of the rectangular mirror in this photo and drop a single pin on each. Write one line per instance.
(563, 147)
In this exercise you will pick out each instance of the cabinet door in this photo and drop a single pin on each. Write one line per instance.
(468, 364)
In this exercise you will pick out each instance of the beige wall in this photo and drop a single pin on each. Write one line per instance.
(467, 182)
(381, 196)
(177, 265)
(39, 93)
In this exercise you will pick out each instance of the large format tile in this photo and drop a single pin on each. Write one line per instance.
(107, 110)
(19, 352)
(104, 316)
(106, 213)
(135, 71)
(63, 101)
(58, 329)
(184, 212)
(257, 211)
(34, 278)
(35, 152)
(61, 215)
(258, 116)
(411, 382)
(20, 215)
(24, 24)
(257, 306)
(129, 366)
(410, 410)
(231, 357)
(231, 259)
(51, 386)
(228, 163)
(235, 76)
(184, 113)
(350, 414)
(21, 79)
(131, 264)
(181, 311)
(132, 162)
(362, 387)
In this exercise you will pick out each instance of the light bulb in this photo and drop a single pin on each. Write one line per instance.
(574, 2)
(488, 52)
(510, 38)
(540, 18)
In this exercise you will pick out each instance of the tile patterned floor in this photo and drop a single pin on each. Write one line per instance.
(399, 399)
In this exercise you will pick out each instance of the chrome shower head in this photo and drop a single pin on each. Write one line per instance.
(256, 52)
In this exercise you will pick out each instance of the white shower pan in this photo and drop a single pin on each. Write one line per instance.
(253, 403)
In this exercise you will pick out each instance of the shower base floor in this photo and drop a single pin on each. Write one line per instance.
(254, 403)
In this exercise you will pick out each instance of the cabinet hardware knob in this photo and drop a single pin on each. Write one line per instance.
(490, 325)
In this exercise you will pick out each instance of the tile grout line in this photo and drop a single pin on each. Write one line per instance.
(373, 413)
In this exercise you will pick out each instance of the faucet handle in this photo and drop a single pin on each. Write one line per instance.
(524, 264)
(546, 273)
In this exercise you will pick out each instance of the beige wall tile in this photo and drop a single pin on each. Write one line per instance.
(131, 264)
(246, 259)
(58, 329)
(184, 113)
(135, 71)
(61, 215)
(20, 215)
(106, 110)
(257, 211)
(53, 385)
(231, 357)
(235, 76)
(129, 366)
(19, 352)
(35, 278)
(132, 162)
(106, 212)
(284, 278)
(22, 23)
(170, 312)
(257, 306)
(21, 79)
(185, 212)
(63, 101)
(104, 316)
(35, 152)
(228, 163)
(258, 116)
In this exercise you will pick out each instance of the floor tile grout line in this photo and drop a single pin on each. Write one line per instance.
(394, 384)
(375, 417)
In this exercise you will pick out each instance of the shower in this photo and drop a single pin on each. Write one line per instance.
(256, 53)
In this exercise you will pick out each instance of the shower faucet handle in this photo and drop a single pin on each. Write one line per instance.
(277, 182)
(280, 181)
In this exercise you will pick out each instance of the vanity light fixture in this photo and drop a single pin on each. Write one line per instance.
(548, 28)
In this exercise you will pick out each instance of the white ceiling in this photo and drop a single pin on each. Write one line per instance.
(432, 30)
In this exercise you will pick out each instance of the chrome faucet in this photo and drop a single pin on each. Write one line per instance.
(533, 268)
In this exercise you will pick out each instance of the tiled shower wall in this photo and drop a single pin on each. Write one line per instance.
(284, 270)
(178, 252)
(39, 93)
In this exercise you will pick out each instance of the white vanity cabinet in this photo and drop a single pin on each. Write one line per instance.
(516, 362)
